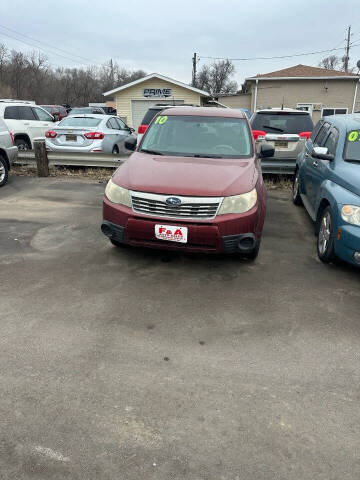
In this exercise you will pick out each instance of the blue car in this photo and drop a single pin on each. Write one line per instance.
(327, 183)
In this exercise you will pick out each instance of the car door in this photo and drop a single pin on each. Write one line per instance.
(321, 167)
(124, 133)
(312, 165)
(44, 121)
(112, 135)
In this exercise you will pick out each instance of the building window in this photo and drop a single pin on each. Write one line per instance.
(333, 111)
(305, 107)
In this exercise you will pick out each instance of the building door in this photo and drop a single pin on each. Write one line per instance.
(140, 107)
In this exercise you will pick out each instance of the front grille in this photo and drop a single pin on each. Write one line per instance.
(190, 207)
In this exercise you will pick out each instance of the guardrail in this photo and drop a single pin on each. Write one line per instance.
(270, 165)
(70, 159)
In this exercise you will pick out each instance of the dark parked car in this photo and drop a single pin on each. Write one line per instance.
(194, 184)
(327, 182)
(86, 110)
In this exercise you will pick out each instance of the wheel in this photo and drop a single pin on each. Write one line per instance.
(22, 144)
(115, 150)
(296, 189)
(252, 255)
(117, 244)
(4, 171)
(325, 240)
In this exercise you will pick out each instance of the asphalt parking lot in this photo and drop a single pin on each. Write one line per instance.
(135, 364)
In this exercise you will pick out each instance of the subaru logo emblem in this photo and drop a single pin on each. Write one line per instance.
(173, 201)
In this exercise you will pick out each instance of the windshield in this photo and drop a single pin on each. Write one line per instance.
(47, 108)
(79, 122)
(352, 146)
(282, 122)
(197, 136)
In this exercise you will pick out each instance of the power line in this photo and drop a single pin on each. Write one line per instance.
(40, 48)
(44, 43)
(274, 57)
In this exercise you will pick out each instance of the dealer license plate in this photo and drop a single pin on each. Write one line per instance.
(280, 143)
(171, 233)
(71, 138)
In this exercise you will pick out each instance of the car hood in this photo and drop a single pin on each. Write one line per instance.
(186, 175)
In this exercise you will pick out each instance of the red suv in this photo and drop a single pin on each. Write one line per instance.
(57, 110)
(194, 183)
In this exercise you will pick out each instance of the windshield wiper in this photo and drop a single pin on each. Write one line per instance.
(152, 152)
(273, 128)
(200, 155)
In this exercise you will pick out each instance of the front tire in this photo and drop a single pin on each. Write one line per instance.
(118, 244)
(325, 240)
(4, 171)
(296, 189)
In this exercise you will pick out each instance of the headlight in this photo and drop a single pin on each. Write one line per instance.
(238, 203)
(117, 194)
(351, 214)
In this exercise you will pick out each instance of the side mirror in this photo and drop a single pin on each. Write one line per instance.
(56, 117)
(130, 143)
(131, 130)
(266, 151)
(322, 153)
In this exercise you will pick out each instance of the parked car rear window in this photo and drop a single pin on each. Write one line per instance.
(149, 115)
(282, 122)
(197, 136)
(11, 113)
(352, 146)
(79, 122)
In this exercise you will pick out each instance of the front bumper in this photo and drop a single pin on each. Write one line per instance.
(223, 234)
(348, 244)
(12, 153)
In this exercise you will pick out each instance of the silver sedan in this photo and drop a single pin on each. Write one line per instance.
(89, 134)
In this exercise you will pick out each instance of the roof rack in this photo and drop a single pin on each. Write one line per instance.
(12, 100)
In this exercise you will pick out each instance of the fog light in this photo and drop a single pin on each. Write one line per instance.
(357, 257)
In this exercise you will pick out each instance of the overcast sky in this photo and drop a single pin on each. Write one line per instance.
(161, 36)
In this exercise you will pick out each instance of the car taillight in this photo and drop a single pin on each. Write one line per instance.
(258, 134)
(12, 137)
(50, 134)
(94, 135)
(142, 129)
(306, 135)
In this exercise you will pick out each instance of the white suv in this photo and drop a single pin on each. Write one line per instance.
(26, 121)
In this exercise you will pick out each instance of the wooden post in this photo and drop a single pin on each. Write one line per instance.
(42, 161)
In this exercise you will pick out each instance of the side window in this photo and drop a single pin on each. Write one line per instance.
(11, 113)
(26, 113)
(42, 115)
(316, 130)
(331, 141)
(321, 136)
(112, 124)
(121, 124)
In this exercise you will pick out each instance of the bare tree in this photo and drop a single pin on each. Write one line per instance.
(330, 63)
(29, 76)
(216, 78)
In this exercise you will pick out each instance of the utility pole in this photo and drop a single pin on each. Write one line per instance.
(347, 50)
(194, 60)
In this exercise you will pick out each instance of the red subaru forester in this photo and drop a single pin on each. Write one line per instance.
(194, 184)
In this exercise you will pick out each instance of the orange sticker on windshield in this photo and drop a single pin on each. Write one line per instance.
(353, 136)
